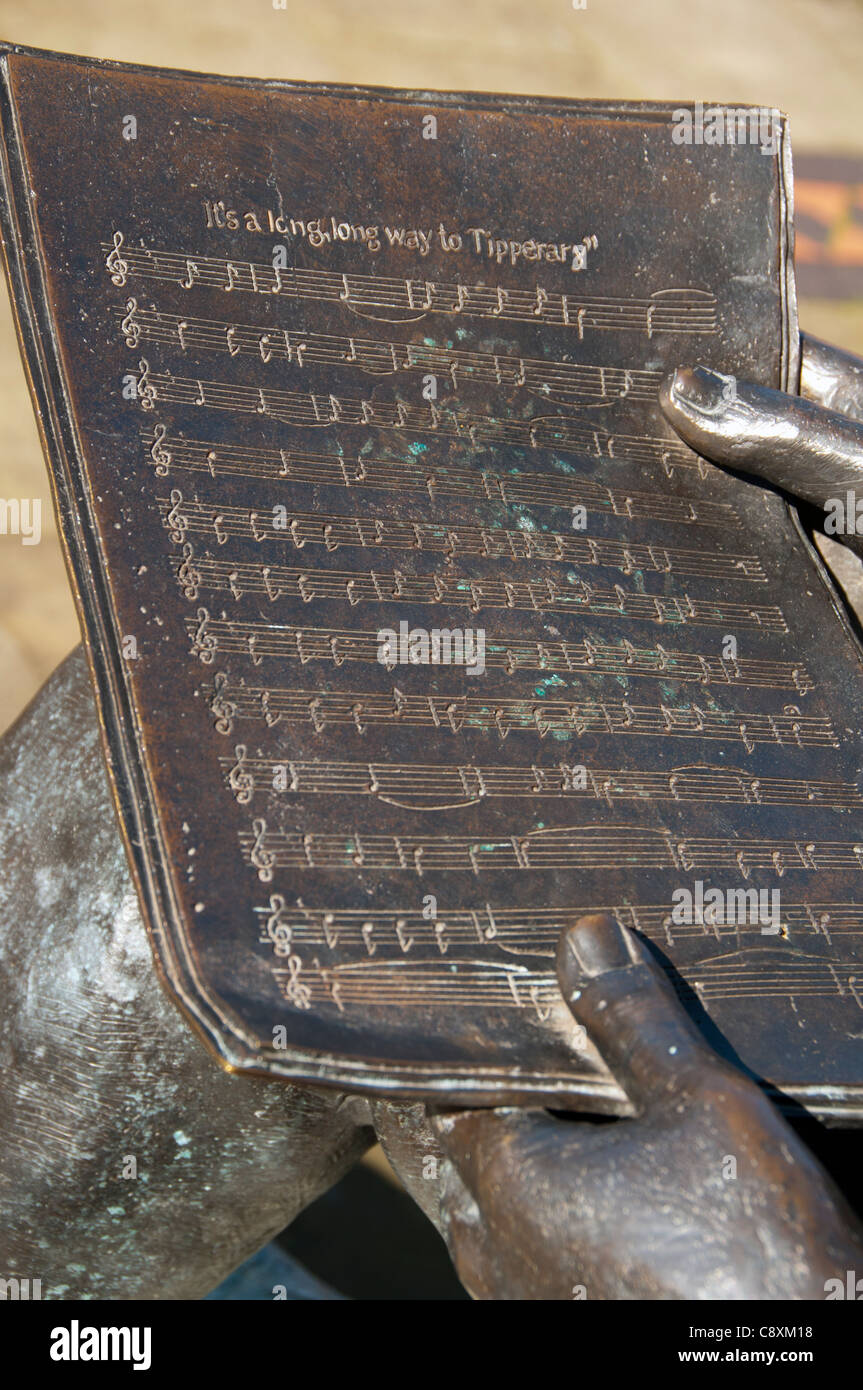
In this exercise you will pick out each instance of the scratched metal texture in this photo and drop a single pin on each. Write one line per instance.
(300, 907)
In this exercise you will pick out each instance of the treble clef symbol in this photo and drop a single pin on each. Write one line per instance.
(278, 930)
(242, 783)
(260, 856)
(295, 991)
(115, 263)
(187, 576)
(144, 389)
(204, 644)
(177, 523)
(160, 456)
(128, 326)
(224, 710)
(269, 718)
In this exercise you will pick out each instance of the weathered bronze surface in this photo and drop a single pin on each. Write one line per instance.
(313, 363)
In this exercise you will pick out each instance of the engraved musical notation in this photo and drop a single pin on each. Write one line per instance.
(307, 410)
(569, 382)
(496, 985)
(406, 300)
(284, 641)
(531, 931)
(217, 458)
(751, 974)
(413, 955)
(575, 595)
(443, 635)
(514, 489)
(584, 848)
(465, 784)
(230, 701)
(406, 984)
(336, 531)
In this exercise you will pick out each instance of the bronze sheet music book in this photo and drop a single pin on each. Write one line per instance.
(415, 632)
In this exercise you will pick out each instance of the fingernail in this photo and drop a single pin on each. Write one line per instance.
(598, 944)
(703, 389)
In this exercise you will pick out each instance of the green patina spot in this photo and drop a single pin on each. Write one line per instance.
(542, 688)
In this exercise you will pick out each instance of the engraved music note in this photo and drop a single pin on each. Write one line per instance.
(241, 782)
(158, 453)
(145, 391)
(295, 991)
(225, 710)
(204, 643)
(175, 518)
(129, 327)
(115, 263)
(270, 719)
(260, 857)
(277, 926)
(189, 578)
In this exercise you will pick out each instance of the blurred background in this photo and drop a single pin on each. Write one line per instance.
(366, 1239)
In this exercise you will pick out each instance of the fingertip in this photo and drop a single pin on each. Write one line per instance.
(616, 989)
(593, 945)
(698, 400)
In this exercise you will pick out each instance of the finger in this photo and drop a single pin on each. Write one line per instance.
(814, 454)
(831, 377)
(486, 1146)
(465, 1231)
(622, 997)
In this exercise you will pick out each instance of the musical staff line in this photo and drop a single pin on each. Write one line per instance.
(520, 931)
(465, 784)
(195, 574)
(230, 702)
(568, 382)
(283, 641)
(218, 458)
(584, 848)
(407, 300)
(496, 985)
(310, 411)
(334, 531)
(406, 983)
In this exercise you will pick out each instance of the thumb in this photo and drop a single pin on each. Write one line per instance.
(811, 453)
(624, 1000)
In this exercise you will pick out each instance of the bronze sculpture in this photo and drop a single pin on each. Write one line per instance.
(533, 1205)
